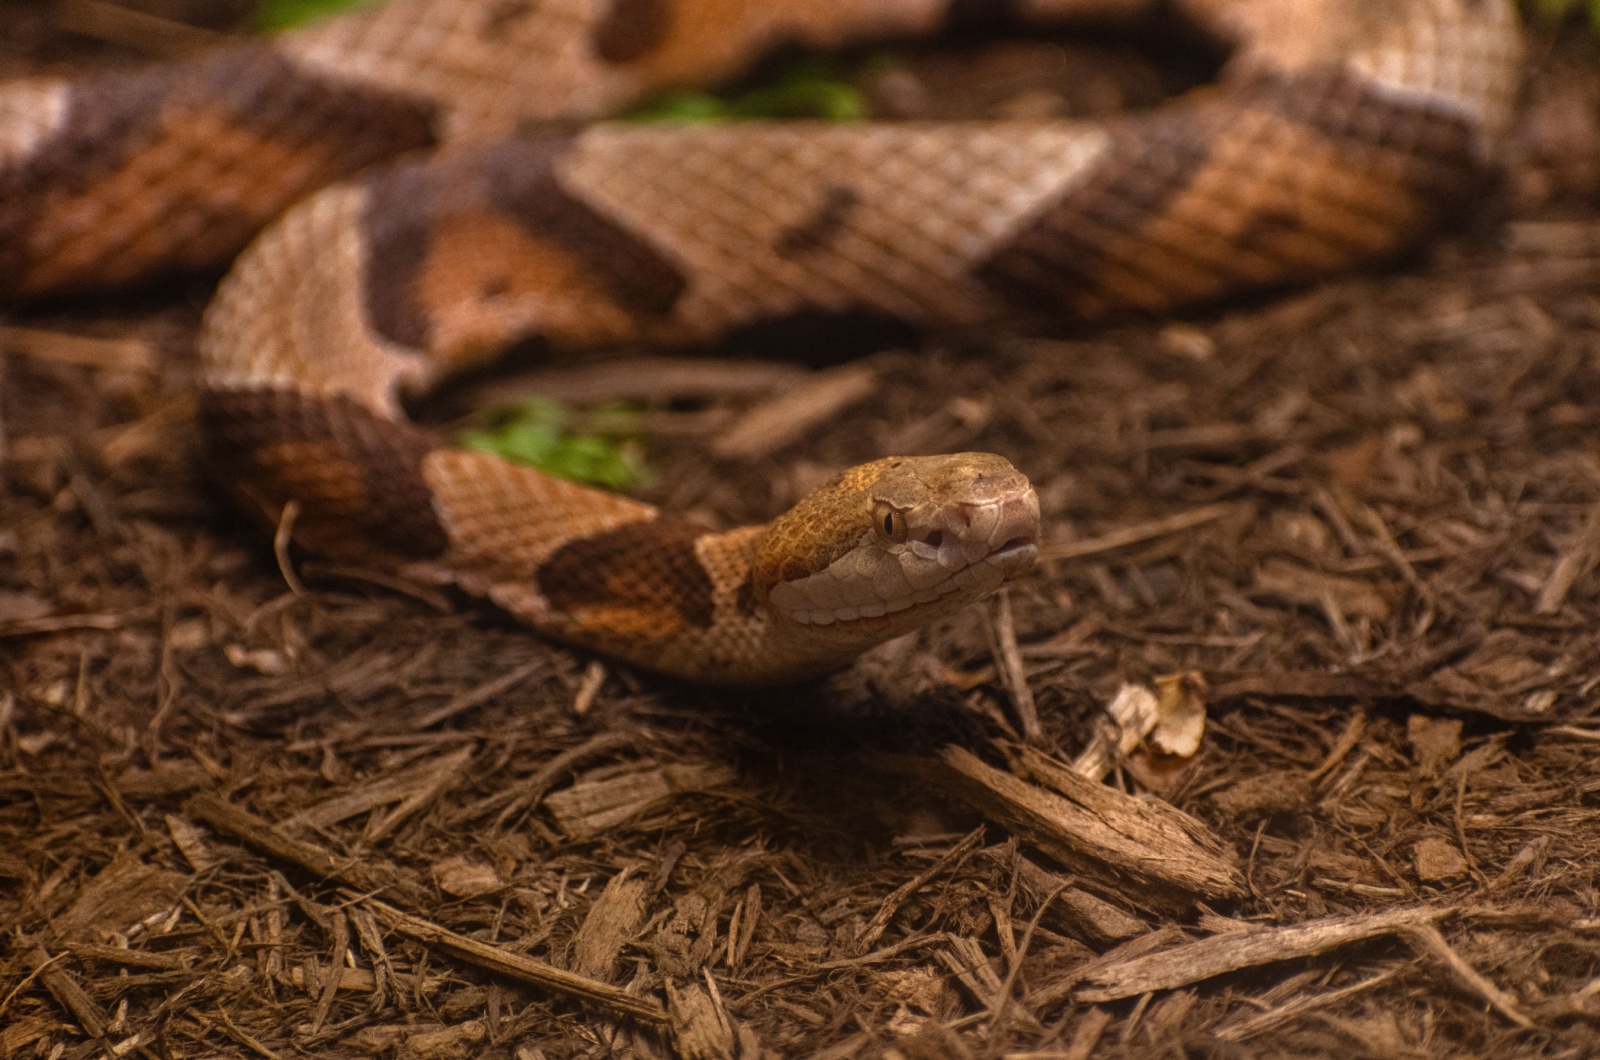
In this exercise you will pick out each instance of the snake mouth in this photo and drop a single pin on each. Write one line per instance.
(1016, 548)
(1011, 558)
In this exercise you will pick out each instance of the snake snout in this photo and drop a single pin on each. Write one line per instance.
(1013, 538)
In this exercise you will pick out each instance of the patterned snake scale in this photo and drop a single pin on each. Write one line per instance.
(1338, 132)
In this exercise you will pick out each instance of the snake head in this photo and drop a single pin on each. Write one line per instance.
(892, 544)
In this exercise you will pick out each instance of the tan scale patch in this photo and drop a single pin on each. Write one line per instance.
(927, 204)
(743, 640)
(150, 212)
(495, 69)
(505, 520)
(1274, 200)
(291, 316)
(490, 71)
(332, 492)
(315, 469)
(824, 525)
(487, 278)
(1460, 55)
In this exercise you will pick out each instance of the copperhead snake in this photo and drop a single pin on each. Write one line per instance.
(1338, 131)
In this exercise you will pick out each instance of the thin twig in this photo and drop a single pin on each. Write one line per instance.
(1010, 983)
(1427, 939)
(891, 905)
(1008, 657)
(38, 970)
(1138, 532)
(516, 966)
(1575, 562)
(280, 546)
(261, 834)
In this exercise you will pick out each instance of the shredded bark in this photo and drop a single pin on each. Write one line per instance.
(1358, 522)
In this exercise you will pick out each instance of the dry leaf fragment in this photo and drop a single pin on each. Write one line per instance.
(1180, 714)
(1130, 715)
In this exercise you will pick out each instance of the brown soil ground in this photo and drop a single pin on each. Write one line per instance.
(1367, 514)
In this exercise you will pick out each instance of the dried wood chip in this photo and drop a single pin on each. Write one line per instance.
(122, 894)
(612, 921)
(592, 807)
(774, 424)
(1435, 741)
(1438, 859)
(1076, 911)
(970, 965)
(190, 843)
(24, 1031)
(115, 354)
(1193, 962)
(1169, 857)
(1086, 1035)
(66, 989)
(891, 905)
(372, 944)
(479, 695)
(594, 676)
(1277, 1017)
(701, 1028)
(29, 627)
(329, 986)
(527, 793)
(160, 961)
(423, 1041)
(742, 930)
(419, 784)
(462, 877)
(516, 966)
(1264, 794)
(1310, 588)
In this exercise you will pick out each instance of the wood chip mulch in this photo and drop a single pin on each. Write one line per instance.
(338, 816)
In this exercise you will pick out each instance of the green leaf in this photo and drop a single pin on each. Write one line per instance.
(802, 98)
(272, 15)
(536, 432)
(686, 105)
(807, 89)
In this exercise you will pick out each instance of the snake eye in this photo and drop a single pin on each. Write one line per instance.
(891, 524)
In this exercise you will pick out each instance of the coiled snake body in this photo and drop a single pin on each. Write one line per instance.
(1338, 132)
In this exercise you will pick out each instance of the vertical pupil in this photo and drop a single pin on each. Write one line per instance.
(888, 524)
